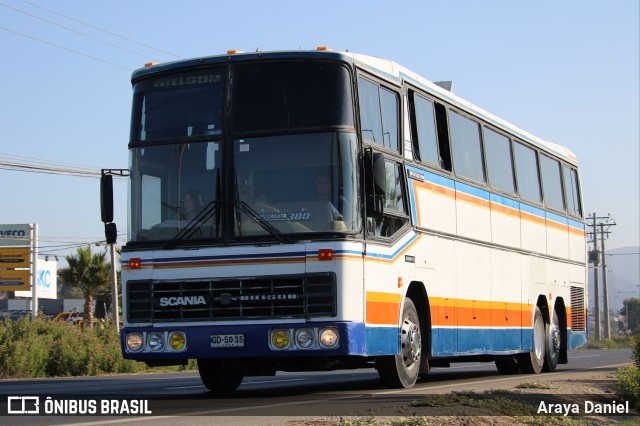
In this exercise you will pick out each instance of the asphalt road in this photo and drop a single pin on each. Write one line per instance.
(264, 399)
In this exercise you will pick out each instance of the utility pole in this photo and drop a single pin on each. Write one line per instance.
(597, 258)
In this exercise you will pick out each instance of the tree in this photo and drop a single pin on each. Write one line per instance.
(631, 310)
(89, 272)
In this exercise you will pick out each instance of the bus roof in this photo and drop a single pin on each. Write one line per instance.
(383, 68)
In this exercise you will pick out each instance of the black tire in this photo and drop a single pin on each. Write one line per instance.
(402, 370)
(554, 343)
(507, 364)
(532, 362)
(218, 376)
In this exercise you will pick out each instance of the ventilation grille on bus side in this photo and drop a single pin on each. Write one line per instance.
(288, 296)
(578, 313)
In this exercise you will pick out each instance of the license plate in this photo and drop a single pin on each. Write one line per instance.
(227, 340)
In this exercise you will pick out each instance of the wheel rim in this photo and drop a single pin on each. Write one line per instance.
(411, 343)
(554, 338)
(538, 338)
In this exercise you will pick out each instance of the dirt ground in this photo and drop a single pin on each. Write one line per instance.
(488, 406)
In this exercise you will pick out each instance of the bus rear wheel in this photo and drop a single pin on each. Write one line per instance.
(219, 376)
(402, 370)
(554, 343)
(532, 362)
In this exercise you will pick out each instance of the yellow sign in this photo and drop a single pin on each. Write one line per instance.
(15, 257)
(15, 279)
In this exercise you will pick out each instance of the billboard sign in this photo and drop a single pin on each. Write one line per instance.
(15, 235)
(46, 280)
(15, 257)
(15, 279)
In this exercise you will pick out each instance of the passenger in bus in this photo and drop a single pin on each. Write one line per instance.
(192, 204)
(326, 212)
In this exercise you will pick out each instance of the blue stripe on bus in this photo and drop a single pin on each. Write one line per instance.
(507, 202)
(382, 340)
(395, 253)
(532, 210)
(472, 190)
(560, 219)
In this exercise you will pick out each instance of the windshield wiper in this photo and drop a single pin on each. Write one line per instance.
(195, 224)
(246, 209)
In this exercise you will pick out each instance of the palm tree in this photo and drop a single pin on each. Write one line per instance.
(90, 273)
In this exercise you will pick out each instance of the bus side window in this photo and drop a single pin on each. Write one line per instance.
(467, 147)
(551, 183)
(527, 175)
(572, 192)
(423, 123)
(394, 216)
(379, 112)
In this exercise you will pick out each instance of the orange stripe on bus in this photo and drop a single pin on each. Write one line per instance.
(383, 308)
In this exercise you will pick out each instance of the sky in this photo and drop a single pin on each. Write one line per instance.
(565, 71)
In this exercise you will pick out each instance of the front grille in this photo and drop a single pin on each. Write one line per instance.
(578, 315)
(287, 296)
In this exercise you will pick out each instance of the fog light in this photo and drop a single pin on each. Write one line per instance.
(280, 339)
(305, 338)
(328, 338)
(155, 342)
(134, 342)
(177, 341)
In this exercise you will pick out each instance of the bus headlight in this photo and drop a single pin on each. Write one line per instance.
(177, 341)
(280, 339)
(329, 337)
(305, 338)
(155, 342)
(134, 342)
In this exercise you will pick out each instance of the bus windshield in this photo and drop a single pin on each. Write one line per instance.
(296, 184)
(285, 164)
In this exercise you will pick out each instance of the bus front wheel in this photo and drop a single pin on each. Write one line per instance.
(402, 370)
(532, 362)
(218, 376)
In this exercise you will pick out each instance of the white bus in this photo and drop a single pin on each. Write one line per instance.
(318, 210)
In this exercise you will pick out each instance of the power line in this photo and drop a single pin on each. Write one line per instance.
(75, 31)
(103, 30)
(34, 165)
(67, 49)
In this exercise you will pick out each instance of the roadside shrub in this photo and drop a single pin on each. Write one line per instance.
(45, 348)
(627, 385)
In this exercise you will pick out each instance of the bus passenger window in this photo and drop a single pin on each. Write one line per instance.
(425, 138)
(571, 190)
(527, 173)
(551, 183)
(467, 148)
(499, 165)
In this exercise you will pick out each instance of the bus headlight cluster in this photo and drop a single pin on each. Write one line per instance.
(304, 338)
(156, 341)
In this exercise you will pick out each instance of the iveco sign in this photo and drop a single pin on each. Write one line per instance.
(14, 235)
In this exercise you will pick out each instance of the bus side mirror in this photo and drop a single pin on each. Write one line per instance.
(106, 198)
(375, 176)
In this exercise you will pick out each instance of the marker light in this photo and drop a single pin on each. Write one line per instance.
(305, 338)
(323, 48)
(328, 337)
(150, 64)
(134, 342)
(155, 342)
(325, 254)
(177, 341)
(135, 263)
(280, 339)
(233, 51)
